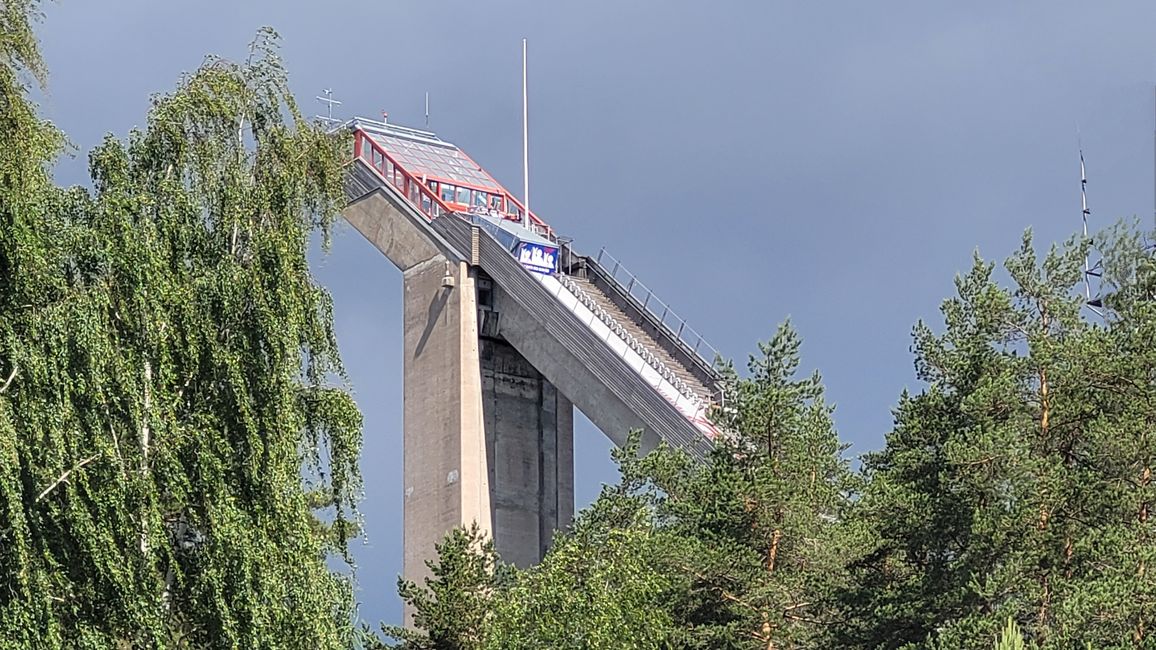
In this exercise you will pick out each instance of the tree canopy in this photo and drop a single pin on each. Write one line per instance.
(168, 411)
(743, 551)
(1018, 484)
(1010, 505)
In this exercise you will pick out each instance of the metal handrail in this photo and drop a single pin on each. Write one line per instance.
(409, 186)
(639, 348)
(416, 191)
(536, 224)
(684, 334)
(430, 204)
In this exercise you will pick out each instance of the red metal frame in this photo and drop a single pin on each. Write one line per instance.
(410, 187)
(418, 193)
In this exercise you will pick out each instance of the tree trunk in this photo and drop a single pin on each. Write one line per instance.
(145, 435)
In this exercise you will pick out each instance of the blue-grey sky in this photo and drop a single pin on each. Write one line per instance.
(832, 162)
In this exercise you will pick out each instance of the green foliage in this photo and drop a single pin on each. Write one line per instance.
(606, 584)
(19, 50)
(177, 467)
(744, 551)
(1019, 483)
(1011, 505)
(453, 609)
(1010, 638)
(762, 543)
(165, 359)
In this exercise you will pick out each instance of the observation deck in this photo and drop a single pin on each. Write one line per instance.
(592, 308)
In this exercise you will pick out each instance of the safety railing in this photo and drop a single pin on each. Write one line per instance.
(423, 198)
(685, 335)
(664, 371)
(536, 225)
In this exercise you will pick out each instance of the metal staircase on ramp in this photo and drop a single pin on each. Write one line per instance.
(506, 331)
(648, 340)
(618, 386)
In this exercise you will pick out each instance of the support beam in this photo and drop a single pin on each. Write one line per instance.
(487, 438)
(445, 473)
(530, 445)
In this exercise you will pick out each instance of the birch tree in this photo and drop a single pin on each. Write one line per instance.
(168, 405)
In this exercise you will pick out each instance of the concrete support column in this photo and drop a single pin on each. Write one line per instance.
(530, 445)
(487, 438)
(445, 466)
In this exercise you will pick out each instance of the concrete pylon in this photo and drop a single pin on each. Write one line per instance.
(530, 452)
(487, 438)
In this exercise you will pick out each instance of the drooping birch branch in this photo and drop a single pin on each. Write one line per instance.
(64, 477)
(8, 382)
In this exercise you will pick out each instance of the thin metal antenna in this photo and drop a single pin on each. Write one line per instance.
(1096, 303)
(328, 100)
(427, 110)
(525, 143)
(1152, 244)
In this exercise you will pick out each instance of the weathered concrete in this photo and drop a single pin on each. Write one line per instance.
(488, 415)
(445, 477)
(529, 443)
(445, 474)
(605, 409)
(404, 237)
(486, 438)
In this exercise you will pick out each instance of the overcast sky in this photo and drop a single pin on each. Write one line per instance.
(836, 163)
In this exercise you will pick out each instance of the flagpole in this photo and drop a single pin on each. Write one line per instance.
(525, 144)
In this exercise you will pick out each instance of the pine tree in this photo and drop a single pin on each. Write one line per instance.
(1014, 485)
(751, 542)
(165, 368)
(605, 584)
(1010, 638)
(454, 607)
(743, 551)
(763, 520)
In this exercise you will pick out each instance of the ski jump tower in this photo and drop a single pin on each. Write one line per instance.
(507, 329)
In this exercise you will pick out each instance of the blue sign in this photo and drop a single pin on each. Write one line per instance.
(538, 258)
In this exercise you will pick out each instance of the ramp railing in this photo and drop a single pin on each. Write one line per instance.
(424, 199)
(633, 352)
(637, 346)
(685, 336)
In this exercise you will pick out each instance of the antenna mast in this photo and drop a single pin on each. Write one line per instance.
(427, 110)
(329, 102)
(525, 143)
(1094, 303)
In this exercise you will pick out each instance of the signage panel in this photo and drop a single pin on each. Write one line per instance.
(538, 257)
